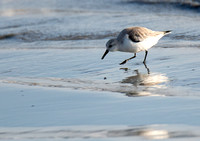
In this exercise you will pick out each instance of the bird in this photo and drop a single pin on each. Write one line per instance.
(134, 40)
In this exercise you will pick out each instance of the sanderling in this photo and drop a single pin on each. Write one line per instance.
(134, 39)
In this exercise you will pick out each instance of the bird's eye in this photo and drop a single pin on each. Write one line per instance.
(110, 46)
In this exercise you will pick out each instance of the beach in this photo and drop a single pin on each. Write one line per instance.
(54, 85)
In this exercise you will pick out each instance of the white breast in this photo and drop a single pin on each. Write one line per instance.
(129, 46)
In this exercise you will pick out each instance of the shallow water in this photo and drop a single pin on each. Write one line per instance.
(164, 75)
(58, 45)
(102, 132)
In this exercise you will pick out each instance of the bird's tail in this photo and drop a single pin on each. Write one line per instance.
(167, 32)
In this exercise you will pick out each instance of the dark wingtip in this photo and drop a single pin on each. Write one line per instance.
(167, 32)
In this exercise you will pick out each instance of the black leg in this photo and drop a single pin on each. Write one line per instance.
(145, 57)
(148, 71)
(128, 59)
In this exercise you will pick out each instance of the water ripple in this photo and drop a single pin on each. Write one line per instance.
(138, 85)
(30, 36)
(100, 132)
(192, 4)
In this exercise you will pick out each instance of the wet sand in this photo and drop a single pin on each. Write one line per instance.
(89, 98)
(168, 72)
(36, 113)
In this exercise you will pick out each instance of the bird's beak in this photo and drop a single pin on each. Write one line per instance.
(106, 52)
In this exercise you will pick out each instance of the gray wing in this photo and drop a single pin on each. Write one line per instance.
(136, 34)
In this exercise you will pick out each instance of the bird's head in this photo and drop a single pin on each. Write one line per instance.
(111, 45)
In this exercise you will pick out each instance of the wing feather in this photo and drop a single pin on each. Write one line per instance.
(137, 34)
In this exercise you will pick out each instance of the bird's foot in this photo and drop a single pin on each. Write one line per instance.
(124, 62)
(148, 71)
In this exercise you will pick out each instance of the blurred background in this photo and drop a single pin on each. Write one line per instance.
(90, 23)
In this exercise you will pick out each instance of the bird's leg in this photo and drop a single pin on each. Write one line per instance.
(148, 71)
(146, 52)
(128, 59)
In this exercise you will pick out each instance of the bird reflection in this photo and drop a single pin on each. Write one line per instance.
(144, 81)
